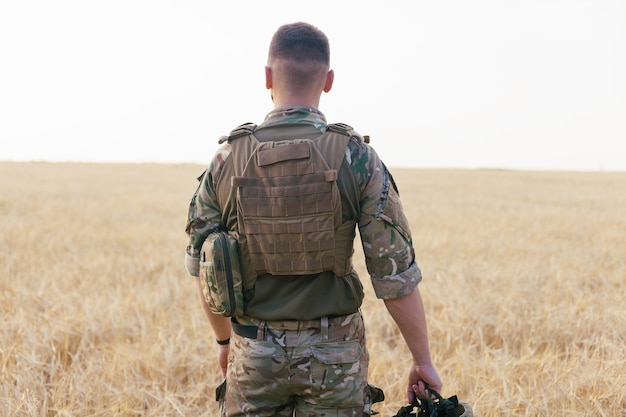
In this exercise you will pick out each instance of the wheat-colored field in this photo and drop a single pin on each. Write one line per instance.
(524, 279)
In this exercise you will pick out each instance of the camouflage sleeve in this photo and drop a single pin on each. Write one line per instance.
(204, 215)
(383, 226)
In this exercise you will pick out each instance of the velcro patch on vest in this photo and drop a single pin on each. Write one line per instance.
(277, 154)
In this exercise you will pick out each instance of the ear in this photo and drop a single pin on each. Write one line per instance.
(330, 77)
(268, 78)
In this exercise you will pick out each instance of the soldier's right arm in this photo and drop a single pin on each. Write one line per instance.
(383, 227)
(390, 260)
(408, 313)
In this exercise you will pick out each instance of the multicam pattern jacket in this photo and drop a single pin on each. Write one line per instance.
(369, 198)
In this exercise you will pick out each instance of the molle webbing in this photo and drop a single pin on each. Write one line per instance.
(287, 199)
(289, 214)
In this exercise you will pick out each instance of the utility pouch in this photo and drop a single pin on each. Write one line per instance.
(220, 274)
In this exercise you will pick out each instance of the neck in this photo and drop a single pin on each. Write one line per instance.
(281, 100)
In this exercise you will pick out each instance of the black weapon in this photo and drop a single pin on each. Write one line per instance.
(437, 407)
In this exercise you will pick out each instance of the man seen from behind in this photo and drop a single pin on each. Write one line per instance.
(298, 347)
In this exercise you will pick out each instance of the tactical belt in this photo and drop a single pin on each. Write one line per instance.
(253, 331)
(244, 331)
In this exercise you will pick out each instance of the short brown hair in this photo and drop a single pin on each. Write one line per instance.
(300, 42)
(299, 56)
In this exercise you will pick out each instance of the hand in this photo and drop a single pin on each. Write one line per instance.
(222, 358)
(419, 378)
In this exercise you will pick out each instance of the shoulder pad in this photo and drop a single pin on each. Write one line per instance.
(347, 130)
(238, 132)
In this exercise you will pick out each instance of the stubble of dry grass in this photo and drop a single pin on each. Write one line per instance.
(524, 275)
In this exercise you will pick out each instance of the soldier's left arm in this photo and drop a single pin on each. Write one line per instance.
(203, 217)
(221, 329)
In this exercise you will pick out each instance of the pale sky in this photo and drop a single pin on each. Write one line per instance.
(453, 84)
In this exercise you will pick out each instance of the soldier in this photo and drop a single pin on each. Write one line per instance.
(298, 347)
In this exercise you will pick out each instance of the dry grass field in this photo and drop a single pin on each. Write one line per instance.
(524, 282)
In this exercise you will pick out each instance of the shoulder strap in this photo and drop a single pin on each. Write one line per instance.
(336, 137)
(238, 132)
(347, 130)
(249, 128)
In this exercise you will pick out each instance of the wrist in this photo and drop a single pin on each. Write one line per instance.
(423, 363)
(224, 342)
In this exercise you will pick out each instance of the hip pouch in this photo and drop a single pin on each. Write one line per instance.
(220, 274)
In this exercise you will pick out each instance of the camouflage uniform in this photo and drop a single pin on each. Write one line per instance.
(318, 367)
(276, 371)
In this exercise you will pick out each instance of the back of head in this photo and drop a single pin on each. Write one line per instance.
(299, 56)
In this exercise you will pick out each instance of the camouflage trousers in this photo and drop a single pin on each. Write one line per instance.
(299, 368)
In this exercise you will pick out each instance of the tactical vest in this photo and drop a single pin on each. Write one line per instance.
(289, 214)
